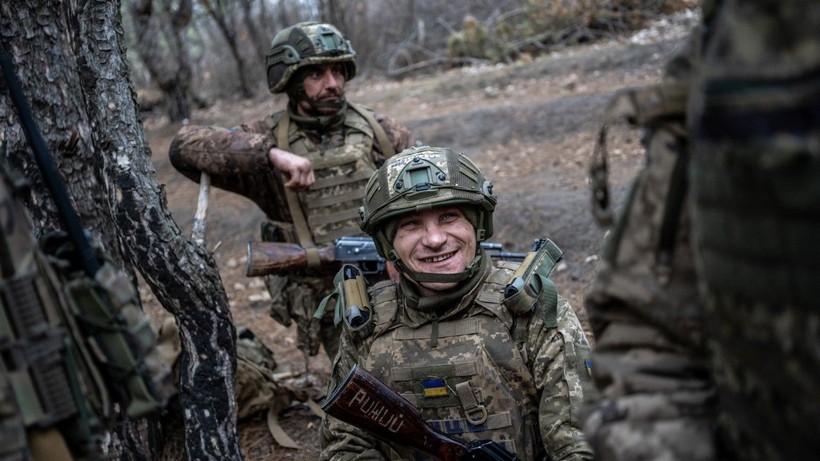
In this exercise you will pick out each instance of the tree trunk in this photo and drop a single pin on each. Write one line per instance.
(71, 61)
(217, 13)
(170, 70)
(260, 39)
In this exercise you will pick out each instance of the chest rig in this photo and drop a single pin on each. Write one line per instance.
(468, 375)
(342, 168)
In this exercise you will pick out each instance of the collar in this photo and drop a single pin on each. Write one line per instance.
(442, 306)
(319, 122)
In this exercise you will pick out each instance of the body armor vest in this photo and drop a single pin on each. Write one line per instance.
(331, 207)
(475, 382)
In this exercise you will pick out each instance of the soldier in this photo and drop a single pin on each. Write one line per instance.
(477, 363)
(305, 166)
(71, 348)
(650, 361)
(729, 371)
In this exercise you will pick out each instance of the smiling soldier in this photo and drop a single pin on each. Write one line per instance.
(482, 357)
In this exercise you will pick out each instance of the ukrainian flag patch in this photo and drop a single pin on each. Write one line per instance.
(434, 387)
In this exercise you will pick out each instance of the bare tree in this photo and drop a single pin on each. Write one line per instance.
(222, 15)
(162, 49)
(71, 61)
(260, 37)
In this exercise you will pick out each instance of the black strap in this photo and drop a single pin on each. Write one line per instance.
(48, 168)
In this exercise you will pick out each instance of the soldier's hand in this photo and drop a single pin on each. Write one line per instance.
(297, 169)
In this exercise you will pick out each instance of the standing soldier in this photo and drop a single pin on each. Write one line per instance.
(305, 166)
(484, 352)
(727, 202)
(755, 196)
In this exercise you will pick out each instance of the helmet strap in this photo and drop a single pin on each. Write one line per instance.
(446, 300)
(420, 277)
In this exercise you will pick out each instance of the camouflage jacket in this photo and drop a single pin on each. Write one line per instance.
(237, 159)
(528, 373)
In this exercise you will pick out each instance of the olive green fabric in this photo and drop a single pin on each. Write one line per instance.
(74, 348)
(522, 391)
(703, 308)
(755, 173)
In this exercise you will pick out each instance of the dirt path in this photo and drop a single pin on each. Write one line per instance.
(530, 127)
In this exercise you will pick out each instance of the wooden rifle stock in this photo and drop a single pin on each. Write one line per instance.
(367, 403)
(273, 257)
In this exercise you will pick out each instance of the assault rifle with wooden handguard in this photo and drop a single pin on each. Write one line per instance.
(277, 257)
(367, 403)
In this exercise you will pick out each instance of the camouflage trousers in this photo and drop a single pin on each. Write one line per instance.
(295, 299)
(650, 360)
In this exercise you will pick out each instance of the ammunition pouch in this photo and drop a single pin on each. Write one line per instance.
(107, 321)
(351, 302)
(74, 348)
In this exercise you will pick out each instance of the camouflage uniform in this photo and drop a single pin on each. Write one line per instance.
(57, 379)
(344, 148)
(475, 366)
(657, 400)
(730, 371)
(755, 206)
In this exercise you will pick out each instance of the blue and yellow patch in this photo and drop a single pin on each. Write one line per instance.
(434, 387)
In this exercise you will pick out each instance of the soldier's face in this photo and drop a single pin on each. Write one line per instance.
(439, 241)
(324, 89)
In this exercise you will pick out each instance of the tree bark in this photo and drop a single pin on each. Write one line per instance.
(217, 12)
(170, 70)
(71, 61)
(260, 39)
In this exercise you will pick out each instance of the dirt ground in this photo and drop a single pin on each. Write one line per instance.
(530, 126)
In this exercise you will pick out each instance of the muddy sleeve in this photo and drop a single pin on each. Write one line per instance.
(399, 135)
(560, 370)
(341, 441)
(236, 160)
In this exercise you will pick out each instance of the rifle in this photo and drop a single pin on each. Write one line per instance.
(277, 257)
(367, 403)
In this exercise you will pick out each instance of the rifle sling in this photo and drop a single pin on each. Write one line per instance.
(298, 215)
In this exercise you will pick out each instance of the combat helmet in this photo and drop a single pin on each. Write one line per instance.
(305, 44)
(420, 178)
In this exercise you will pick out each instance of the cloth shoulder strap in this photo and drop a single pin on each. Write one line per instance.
(378, 131)
(296, 212)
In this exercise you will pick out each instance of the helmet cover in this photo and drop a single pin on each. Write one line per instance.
(305, 44)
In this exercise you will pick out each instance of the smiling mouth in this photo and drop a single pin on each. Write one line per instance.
(436, 259)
